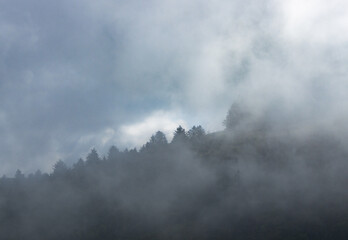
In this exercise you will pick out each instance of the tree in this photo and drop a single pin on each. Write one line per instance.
(60, 168)
(19, 175)
(113, 153)
(156, 142)
(196, 136)
(196, 133)
(93, 158)
(235, 116)
(180, 135)
(80, 164)
(159, 138)
(133, 151)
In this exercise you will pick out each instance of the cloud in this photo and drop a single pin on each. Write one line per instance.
(140, 132)
(315, 21)
(77, 74)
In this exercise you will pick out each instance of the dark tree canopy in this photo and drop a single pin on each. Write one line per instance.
(196, 132)
(60, 168)
(19, 175)
(157, 142)
(113, 153)
(202, 186)
(235, 116)
(159, 139)
(196, 136)
(92, 158)
(180, 135)
(80, 164)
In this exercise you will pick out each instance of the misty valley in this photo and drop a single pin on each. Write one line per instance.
(257, 179)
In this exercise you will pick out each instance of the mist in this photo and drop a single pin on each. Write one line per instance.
(248, 181)
(173, 119)
(81, 74)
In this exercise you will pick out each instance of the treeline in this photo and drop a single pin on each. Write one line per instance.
(157, 143)
(246, 182)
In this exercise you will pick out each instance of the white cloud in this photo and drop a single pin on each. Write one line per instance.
(316, 21)
(94, 77)
(136, 134)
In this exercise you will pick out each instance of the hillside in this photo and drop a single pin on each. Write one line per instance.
(223, 185)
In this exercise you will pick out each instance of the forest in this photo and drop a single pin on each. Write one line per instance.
(254, 180)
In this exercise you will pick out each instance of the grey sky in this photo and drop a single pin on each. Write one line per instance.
(79, 74)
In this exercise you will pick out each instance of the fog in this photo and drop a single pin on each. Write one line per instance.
(267, 80)
(247, 181)
(77, 74)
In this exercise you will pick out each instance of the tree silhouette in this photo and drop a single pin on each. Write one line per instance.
(196, 133)
(186, 190)
(92, 158)
(113, 153)
(60, 169)
(196, 136)
(19, 175)
(159, 139)
(180, 135)
(80, 164)
(157, 142)
(235, 116)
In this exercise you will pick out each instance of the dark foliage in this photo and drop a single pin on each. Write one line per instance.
(225, 185)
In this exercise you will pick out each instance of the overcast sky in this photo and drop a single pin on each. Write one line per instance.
(81, 74)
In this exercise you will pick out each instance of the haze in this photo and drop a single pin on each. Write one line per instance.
(81, 74)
